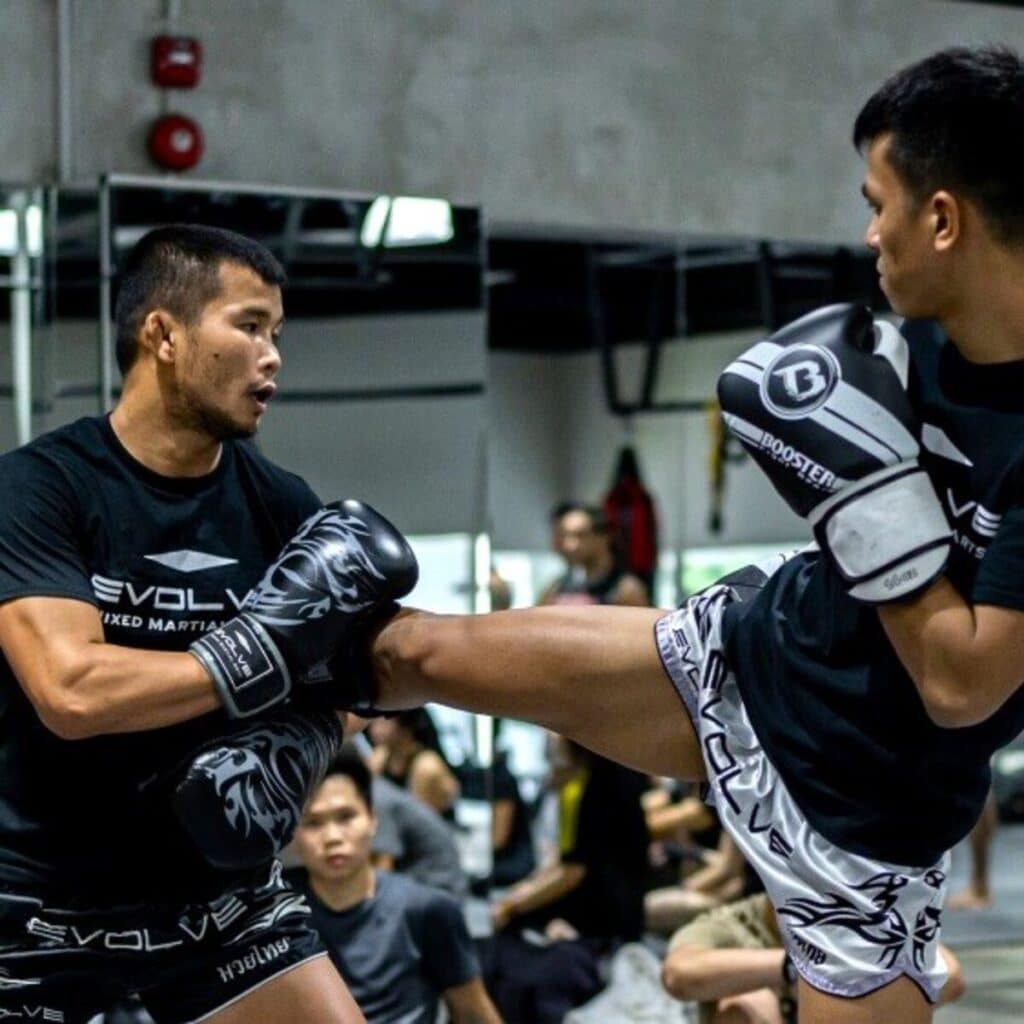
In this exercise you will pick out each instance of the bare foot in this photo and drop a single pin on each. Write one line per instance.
(970, 899)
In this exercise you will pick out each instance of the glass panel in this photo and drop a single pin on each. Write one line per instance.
(703, 566)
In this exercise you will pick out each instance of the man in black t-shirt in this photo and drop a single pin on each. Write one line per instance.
(124, 540)
(845, 736)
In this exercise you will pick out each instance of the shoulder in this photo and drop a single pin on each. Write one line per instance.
(389, 797)
(287, 494)
(65, 445)
(428, 763)
(399, 892)
(415, 897)
(54, 463)
(630, 590)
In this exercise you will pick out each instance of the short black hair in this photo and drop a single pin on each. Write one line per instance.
(955, 120)
(351, 765)
(598, 520)
(178, 267)
(559, 510)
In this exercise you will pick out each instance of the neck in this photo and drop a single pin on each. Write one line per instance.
(340, 894)
(987, 323)
(145, 426)
(403, 749)
(599, 568)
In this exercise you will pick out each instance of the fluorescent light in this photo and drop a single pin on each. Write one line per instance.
(33, 231)
(407, 221)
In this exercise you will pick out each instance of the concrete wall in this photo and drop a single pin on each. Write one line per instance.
(714, 115)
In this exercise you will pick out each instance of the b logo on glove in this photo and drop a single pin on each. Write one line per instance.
(799, 380)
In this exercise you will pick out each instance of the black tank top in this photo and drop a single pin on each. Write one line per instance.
(575, 588)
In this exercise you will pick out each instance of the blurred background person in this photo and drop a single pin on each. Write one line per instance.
(407, 750)
(411, 838)
(593, 575)
(556, 929)
(512, 846)
(402, 947)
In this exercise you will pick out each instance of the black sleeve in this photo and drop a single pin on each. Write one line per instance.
(41, 527)
(1000, 578)
(446, 947)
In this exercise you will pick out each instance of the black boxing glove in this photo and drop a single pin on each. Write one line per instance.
(822, 407)
(344, 563)
(240, 798)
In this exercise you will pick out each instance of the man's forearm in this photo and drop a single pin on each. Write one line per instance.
(82, 686)
(705, 974)
(544, 886)
(118, 689)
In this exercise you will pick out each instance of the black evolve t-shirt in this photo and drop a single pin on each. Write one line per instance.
(163, 560)
(830, 701)
(397, 951)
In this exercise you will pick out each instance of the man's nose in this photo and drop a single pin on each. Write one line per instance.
(270, 359)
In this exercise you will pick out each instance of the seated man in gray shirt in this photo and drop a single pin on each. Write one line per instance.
(401, 946)
(415, 841)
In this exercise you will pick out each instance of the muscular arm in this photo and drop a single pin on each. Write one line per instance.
(965, 660)
(469, 1003)
(542, 887)
(503, 816)
(689, 813)
(81, 686)
(591, 673)
(432, 782)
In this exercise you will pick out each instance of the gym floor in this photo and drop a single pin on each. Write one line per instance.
(990, 943)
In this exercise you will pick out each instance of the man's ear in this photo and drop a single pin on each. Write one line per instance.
(159, 334)
(946, 215)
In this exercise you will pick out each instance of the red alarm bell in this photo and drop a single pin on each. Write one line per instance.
(177, 62)
(175, 142)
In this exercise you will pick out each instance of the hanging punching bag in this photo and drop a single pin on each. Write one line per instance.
(632, 517)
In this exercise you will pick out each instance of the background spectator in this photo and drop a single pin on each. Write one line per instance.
(593, 575)
(401, 946)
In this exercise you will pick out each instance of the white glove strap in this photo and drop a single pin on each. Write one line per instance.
(887, 534)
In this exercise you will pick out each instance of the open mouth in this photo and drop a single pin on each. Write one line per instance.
(263, 394)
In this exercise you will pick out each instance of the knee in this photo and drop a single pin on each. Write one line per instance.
(681, 974)
(738, 1011)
